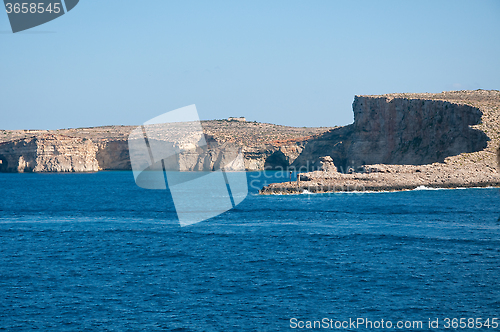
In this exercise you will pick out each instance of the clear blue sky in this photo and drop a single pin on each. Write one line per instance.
(296, 63)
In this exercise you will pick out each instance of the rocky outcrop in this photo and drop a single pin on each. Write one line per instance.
(400, 129)
(48, 153)
(326, 164)
(405, 141)
(333, 143)
(412, 131)
(272, 156)
(389, 178)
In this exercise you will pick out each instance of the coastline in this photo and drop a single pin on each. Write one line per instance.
(452, 137)
(303, 190)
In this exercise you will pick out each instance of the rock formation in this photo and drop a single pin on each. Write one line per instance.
(389, 178)
(403, 141)
(326, 164)
(113, 155)
(410, 129)
(48, 153)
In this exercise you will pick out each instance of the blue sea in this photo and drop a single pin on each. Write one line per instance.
(94, 252)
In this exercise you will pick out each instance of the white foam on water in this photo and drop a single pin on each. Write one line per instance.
(457, 188)
(427, 188)
(419, 188)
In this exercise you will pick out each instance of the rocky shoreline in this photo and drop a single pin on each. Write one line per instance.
(388, 178)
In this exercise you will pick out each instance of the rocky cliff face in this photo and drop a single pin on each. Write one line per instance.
(48, 153)
(113, 155)
(411, 129)
(263, 146)
(446, 140)
(216, 156)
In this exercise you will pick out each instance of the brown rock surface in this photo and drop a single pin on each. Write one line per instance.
(456, 130)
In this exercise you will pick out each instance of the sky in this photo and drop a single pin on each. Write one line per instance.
(297, 63)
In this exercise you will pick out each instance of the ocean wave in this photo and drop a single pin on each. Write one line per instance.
(419, 188)
(456, 188)
(428, 188)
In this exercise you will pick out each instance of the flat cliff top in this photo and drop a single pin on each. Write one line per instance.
(469, 97)
(240, 132)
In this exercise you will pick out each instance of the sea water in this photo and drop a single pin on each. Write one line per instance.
(94, 252)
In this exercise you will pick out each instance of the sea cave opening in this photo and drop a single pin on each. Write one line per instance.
(276, 161)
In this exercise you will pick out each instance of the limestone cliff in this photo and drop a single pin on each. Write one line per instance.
(113, 155)
(276, 156)
(48, 153)
(410, 129)
(263, 145)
